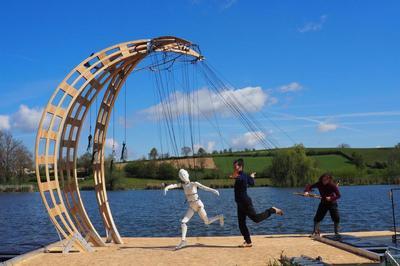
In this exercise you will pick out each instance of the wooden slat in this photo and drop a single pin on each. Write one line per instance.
(74, 209)
(68, 143)
(105, 106)
(84, 72)
(125, 50)
(95, 84)
(57, 210)
(69, 89)
(42, 159)
(48, 134)
(102, 56)
(83, 101)
(51, 109)
(73, 122)
(47, 186)
(58, 111)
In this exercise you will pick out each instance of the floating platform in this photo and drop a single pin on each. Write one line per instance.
(208, 251)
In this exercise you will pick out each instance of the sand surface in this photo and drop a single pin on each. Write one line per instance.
(202, 251)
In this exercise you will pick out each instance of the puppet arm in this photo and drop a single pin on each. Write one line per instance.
(172, 186)
(205, 188)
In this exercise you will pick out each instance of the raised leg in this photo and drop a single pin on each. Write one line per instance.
(203, 215)
(258, 217)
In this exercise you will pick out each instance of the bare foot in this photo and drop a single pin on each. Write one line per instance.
(278, 211)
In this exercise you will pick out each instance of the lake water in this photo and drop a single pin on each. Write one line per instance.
(24, 224)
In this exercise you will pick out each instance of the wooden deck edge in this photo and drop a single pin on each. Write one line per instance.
(18, 259)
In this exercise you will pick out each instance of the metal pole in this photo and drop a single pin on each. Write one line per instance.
(394, 218)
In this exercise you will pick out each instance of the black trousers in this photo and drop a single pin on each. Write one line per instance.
(323, 208)
(246, 209)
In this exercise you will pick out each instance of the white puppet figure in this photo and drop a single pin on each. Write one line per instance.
(195, 204)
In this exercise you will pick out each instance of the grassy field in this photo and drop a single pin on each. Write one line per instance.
(129, 183)
(333, 162)
(371, 155)
(253, 164)
(258, 164)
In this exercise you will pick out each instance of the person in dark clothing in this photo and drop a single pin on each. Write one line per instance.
(329, 192)
(244, 203)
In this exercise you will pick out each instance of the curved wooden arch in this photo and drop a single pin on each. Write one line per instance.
(57, 140)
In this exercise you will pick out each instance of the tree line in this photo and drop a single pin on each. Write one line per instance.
(290, 167)
(15, 160)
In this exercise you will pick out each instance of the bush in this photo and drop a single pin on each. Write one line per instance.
(167, 171)
(292, 167)
(150, 170)
(135, 169)
(358, 160)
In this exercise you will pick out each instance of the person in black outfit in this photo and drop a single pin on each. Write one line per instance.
(329, 192)
(244, 203)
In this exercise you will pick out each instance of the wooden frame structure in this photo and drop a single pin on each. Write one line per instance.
(60, 128)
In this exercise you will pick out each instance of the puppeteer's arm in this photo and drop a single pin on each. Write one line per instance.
(203, 187)
(172, 186)
(309, 187)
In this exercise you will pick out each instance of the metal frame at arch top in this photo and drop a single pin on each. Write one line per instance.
(60, 128)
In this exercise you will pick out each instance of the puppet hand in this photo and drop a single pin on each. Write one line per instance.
(253, 175)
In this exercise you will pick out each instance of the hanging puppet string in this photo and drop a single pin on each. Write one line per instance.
(262, 112)
(181, 125)
(236, 107)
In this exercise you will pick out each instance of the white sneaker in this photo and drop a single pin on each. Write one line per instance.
(181, 245)
(246, 245)
(221, 220)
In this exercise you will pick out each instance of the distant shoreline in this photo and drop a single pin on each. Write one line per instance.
(86, 188)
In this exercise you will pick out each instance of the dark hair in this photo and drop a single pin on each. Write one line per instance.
(326, 175)
(239, 162)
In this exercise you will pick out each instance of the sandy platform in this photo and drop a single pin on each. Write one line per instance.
(203, 251)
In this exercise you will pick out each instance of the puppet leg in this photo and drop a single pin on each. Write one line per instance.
(186, 219)
(203, 215)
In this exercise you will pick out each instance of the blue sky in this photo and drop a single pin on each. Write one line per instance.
(329, 69)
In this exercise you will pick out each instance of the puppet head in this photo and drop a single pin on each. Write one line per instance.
(184, 176)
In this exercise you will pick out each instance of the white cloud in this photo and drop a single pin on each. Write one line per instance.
(110, 142)
(313, 26)
(205, 102)
(248, 139)
(291, 87)
(326, 127)
(4, 122)
(26, 119)
(209, 147)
